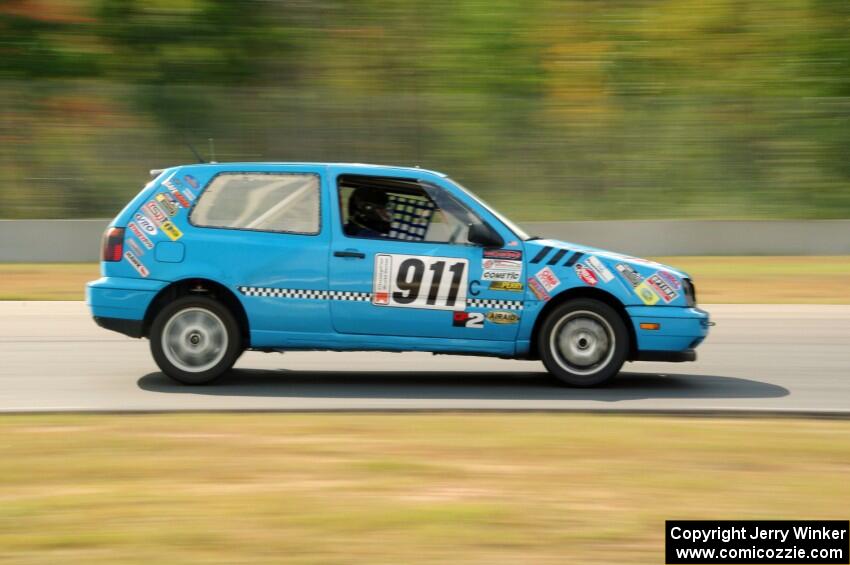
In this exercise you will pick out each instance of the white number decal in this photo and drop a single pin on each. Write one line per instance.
(415, 281)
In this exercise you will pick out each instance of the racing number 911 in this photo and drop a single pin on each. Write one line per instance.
(412, 281)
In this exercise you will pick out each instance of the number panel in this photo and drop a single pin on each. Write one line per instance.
(420, 281)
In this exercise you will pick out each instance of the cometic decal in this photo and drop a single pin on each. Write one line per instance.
(501, 270)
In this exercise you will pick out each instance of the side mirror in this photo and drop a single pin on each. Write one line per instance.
(484, 235)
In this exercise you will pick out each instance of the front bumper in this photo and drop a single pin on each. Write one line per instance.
(681, 331)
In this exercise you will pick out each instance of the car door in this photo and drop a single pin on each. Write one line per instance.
(422, 278)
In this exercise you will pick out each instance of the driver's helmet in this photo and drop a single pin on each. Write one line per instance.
(367, 207)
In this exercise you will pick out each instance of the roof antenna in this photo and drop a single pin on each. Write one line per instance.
(212, 150)
(194, 152)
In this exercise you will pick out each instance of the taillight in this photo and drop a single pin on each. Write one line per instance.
(690, 292)
(112, 248)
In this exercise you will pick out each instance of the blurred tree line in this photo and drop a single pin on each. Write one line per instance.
(550, 109)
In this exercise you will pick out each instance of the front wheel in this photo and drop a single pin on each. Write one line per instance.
(583, 342)
(195, 340)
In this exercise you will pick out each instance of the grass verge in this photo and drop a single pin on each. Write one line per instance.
(394, 488)
(735, 280)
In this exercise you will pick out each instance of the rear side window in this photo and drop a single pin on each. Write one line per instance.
(277, 202)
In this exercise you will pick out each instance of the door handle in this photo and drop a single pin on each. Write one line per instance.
(353, 254)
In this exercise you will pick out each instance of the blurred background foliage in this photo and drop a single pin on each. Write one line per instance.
(549, 109)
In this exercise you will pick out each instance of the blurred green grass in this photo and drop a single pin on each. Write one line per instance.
(741, 280)
(550, 110)
(414, 488)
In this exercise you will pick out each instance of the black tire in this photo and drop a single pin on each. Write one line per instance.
(194, 324)
(583, 342)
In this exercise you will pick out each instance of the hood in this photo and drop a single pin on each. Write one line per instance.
(632, 279)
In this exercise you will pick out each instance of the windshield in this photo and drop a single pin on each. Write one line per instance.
(520, 233)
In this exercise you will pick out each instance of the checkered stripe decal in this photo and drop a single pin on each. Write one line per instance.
(488, 303)
(360, 296)
(305, 294)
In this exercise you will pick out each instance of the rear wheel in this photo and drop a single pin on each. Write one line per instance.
(195, 340)
(583, 342)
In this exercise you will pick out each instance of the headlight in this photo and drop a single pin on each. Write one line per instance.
(690, 292)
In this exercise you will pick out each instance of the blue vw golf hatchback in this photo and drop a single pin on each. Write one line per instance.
(209, 260)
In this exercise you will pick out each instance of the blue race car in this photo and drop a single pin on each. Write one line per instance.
(210, 260)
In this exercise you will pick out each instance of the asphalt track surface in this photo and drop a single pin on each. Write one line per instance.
(758, 359)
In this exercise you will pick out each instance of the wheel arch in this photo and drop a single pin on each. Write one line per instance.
(201, 287)
(582, 292)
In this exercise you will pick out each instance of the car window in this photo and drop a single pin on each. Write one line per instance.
(278, 202)
(404, 209)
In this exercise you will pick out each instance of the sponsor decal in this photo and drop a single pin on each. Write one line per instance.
(175, 193)
(419, 281)
(468, 320)
(508, 286)
(510, 254)
(167, 203)
(538, 290)
(139, 234)
(509, 276)
(599, 268)
(156, 214)
(145, 223)
(628, 273)
(501, 265)
(189, 195)
(473, 288)
(513, 243)
(134, 261)
(502, 317)
(135, 246)
(191, 181)
(670, 279)
(646, 294)
(172, 231)
(661, 288)
(381, 283)
(585, 274)
(548, 279)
